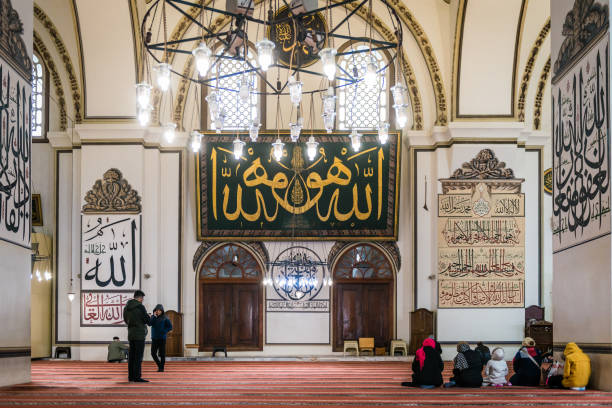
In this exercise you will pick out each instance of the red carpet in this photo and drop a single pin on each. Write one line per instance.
(263, 384)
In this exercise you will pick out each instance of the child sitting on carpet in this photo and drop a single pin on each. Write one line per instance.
(577, 370)
(496, 369)
(468, 368)
(527, 364)
(427, 367)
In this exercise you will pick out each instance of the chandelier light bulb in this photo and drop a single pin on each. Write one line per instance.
(265, 53)
(295, 90)
(220, 121)
(143, 94)
(328, 121)
(400, 94)
(401, 115)
(202, 54)
(71, 296)
(277, 149)
(144, 115)
(383, 132)
(328, 59)
(355, 140)
(311, 148)
(254, 131)
(238, 147)
(329, 101)
(295, 129)
(371, 76)
(196, 141)
(162, 76)
(169, 132)
(245, 89)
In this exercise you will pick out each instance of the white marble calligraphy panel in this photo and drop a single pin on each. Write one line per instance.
(110, 251)
(581, 151)
(103, 308)
(15, 158)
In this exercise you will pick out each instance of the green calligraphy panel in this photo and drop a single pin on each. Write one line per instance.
(341, 194)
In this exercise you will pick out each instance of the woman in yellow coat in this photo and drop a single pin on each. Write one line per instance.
(577, 369)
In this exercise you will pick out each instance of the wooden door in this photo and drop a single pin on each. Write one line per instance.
(174, 341)
(230, 315)
(216, 316)
(362, 310)
(421, 327)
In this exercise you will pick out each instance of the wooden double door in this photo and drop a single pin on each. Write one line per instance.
(231, 316)
(363, 310)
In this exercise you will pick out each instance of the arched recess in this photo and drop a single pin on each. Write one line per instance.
(381, 28)
(364, 292)
(229, 296)
(68, 65)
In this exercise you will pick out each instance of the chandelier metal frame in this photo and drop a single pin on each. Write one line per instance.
(237, 28)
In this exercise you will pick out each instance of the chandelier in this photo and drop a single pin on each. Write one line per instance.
(307, 28)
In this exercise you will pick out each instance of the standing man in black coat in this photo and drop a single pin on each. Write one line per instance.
(137, 319)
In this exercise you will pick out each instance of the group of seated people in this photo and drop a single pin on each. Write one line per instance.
(427, 367)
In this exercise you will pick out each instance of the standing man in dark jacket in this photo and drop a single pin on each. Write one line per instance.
(160, 326)
(137, 318)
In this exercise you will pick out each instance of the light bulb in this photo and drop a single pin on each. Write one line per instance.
(143, 94)
(196, 141)
(328, 59)
(383, 132)
(38, 275)
(254, 131)
(144, 115)
(400, 94)
(220, 121)
(355, 140)
(265, 51)
(71, 296)
(202, 58)
(328, 121)
(295, 90)
(329, 101)
(245, 89)
(213, 105)
(162, 76)
(311, 148)
(169, 131)
(48, 275)
(277, 149)
(238, 146)
(401, 115)
(371, 76)
(295, 129)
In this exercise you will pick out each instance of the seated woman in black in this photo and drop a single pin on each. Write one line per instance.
(527, 364)
(427, 367)
(468, 367)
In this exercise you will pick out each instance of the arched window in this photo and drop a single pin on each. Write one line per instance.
(38, 98)
(238, 114)
(363, 262)
(362, 106)
(230, 261)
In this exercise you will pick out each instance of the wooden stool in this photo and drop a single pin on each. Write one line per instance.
(380, 351)
(219, 349)
(400, 345)
(351, 345)
(366, 344)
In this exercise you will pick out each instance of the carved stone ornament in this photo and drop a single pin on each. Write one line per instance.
(113, 194)
(582, 24)
(11, 43)
(484, 166)
(205, 247)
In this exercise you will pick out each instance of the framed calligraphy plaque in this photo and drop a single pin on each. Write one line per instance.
(340, 195)
(103, 308)
(581, 149)
(110, 252)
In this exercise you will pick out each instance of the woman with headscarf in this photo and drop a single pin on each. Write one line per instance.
(468, 367)
(526, 364)
(427, 367)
